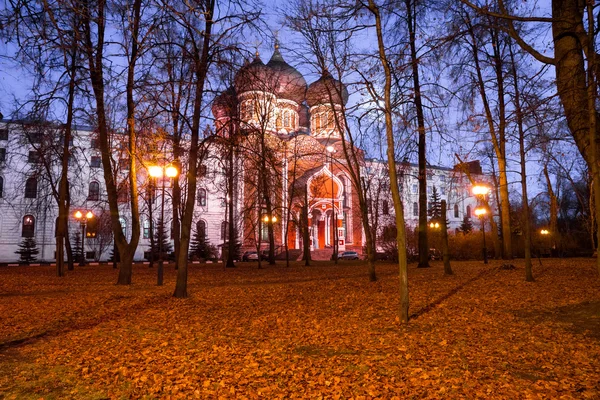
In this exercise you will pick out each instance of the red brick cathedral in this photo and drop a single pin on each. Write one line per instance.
(288, 154)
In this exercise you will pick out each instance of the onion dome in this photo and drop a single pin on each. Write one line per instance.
(252, 76)
(287, 82)
(319, 92)
(225, 104)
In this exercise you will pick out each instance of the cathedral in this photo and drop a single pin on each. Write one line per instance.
(276, 176)
(296, 131)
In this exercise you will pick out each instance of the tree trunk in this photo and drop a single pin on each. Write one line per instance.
(445, 250)
(553, 207)
(526, 215)
(230, 193)
(423, 239)
(201, 62)
(398, 207)
(306, 229)
(498, 136)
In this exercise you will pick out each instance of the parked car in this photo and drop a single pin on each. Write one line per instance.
(250, 256)
(264, 255)
(349, 255)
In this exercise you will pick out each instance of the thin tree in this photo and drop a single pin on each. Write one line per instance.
(374, 9)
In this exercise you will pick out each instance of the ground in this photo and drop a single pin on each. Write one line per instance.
(302, 332)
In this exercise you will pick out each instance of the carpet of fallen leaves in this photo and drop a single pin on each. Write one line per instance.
(323, 331)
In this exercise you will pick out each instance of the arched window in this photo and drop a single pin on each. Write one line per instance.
(293, 126)
(31, 188)
(286, 119)
(415, 209)
(468, 212)
(202, 197)
(146, 229)
(330, 120)
(224, 230)
(123, 223)
(1, 186)
(344, 194)
(317, 122)
(201, 229)
(28, 229)
(385, 208)
(94, 191)
(456, 211)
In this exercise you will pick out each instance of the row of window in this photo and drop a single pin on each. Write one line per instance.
(441, 190)
(200, 228)
(385, 209)
(252, 110)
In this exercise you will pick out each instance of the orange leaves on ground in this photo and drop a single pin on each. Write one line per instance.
(318, 332)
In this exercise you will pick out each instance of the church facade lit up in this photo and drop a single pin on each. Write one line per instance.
(286, 170)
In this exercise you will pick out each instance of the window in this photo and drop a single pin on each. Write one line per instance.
(442, 191)
(385, 208)
(95, 143)
(343, 187)
(2, 154)
(456, 211)
(468, 212)
(429, 189)
(317, 121)
(201, 229)
(415, 209)
(35, 137)
(146, 229)
(415, 189)
(202, 170)
(123, 223)
(28, 229)
(442, 178)
(286, 119)
(95, 162)
(34, 157)
(264, 232)
(94, 191)
(31, 188)
(223, 230)
(1, 186)
(124, 164)
(4, 134)
(330, 120)
(202, 197)
(123, 192)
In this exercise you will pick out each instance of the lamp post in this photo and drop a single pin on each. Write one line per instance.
(331, 150)
(434, 225)
(481, 190)
(480, 212)
(157, 171)
(83, 219)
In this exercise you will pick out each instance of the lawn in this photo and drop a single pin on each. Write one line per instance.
(302, 332)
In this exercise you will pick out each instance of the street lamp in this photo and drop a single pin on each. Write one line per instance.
(480, 212)
(544, 232)
(157, 171)
(480, 190)
(434, 225)
(83, 219)
(331, 150)
(266, 219)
